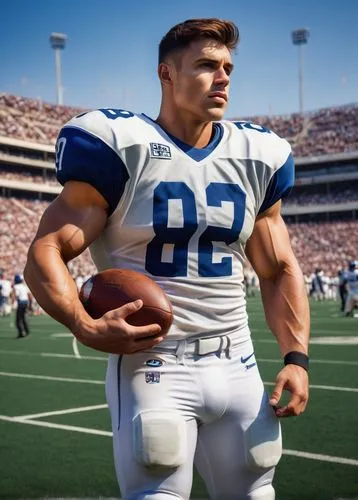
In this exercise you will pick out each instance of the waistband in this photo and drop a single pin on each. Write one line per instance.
(203, 346)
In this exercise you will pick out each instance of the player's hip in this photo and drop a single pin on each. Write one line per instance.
(200, 378)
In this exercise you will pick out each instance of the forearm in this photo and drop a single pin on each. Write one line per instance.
(286, 308)
(51, 284)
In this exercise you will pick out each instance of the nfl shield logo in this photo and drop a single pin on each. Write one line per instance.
(152, 377)
(160, 151)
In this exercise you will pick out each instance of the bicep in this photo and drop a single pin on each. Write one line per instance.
(73, 221)
(268, 248)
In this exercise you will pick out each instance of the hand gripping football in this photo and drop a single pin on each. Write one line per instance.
(113, 288)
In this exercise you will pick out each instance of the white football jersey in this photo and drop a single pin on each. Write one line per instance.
(179, 214)
(352, 280)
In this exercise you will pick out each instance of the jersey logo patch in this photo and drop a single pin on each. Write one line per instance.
(160, 151)
(152, 377)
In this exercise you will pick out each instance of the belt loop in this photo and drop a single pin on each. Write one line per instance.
(228, 347)
(221, 346)
(180, 350)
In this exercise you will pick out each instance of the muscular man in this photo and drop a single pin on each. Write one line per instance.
(185, 199)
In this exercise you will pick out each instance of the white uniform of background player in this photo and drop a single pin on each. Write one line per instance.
(5, 293)
(351, 279)
(182, 216)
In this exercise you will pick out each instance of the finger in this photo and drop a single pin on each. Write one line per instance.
(130, 308)
(140, 332)
(282, 412)
(294, 407)
(146, 344)
(277, 392)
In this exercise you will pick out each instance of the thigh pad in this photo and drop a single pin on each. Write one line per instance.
(263, 441)
(264, 493)
(159, 439)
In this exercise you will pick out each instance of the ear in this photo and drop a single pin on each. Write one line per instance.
(165, 73)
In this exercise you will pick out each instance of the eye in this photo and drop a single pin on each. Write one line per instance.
(208, 64)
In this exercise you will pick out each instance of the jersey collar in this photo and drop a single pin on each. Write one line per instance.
(196, 154)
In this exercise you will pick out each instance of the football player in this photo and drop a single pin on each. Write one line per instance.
(351, 284)
(184, 198)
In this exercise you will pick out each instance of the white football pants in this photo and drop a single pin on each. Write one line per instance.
(186, 402)
(351, 301)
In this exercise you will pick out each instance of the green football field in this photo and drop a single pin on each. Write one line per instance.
(55, 429)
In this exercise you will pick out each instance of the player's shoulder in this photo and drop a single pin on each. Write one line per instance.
(111, 125)
(259, 142)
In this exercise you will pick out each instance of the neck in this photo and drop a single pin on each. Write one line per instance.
(185, 126)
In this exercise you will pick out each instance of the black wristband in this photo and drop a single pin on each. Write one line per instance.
(297, 358)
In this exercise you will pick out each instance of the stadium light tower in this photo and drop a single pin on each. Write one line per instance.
(300, 38)
(58, 42)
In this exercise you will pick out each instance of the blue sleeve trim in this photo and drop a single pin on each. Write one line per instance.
(83, 157)
(280, 184)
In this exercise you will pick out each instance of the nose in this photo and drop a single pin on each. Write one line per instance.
(221, 77)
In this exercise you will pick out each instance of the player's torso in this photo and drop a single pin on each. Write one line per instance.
(180, 217)
(185, 221)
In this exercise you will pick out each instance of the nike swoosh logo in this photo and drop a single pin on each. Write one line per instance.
(244, 360)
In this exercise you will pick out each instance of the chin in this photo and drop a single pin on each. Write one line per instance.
(215, 114)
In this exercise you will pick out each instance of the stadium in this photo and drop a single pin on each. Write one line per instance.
(67, 429)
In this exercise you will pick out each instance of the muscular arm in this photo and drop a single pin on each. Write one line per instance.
(281, 281)
(284, 297)
(72, 222)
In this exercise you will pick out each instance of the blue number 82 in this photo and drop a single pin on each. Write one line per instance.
(179, 237)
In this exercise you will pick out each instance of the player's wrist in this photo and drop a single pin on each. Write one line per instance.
(297, 358)
(81, 324)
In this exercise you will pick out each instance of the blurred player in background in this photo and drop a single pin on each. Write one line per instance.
(342, 287)
(5, 295)
(351, 283)
(185, 199)
(22, 297)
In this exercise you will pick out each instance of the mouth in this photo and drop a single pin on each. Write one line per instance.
(218, 96)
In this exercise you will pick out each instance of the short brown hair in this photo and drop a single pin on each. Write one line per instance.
(181, 35)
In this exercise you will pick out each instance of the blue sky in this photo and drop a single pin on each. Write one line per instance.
(111, 54)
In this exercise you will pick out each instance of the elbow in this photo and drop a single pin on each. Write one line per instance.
(28, 267)
(276, 273)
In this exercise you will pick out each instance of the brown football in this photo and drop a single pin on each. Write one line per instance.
(115, 287)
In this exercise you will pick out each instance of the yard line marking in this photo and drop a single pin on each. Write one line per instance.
(62, 412)
(322, 458)
(325, 387)
(103, 358)
(75, 348)
(87, 430)
(52, 355)
(328, 340)
(56, 379)
(312, 360)
(52, 425)
(63, 335)
(88, 381)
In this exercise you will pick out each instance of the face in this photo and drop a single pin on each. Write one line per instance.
(200, 79)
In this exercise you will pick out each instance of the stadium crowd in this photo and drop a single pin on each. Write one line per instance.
(32, 119)
(18, 222)
(27, 177)
(336, 195)
(325, 131)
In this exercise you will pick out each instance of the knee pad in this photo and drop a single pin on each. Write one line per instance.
(159, 439)
(264, 493)
(263, 441)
